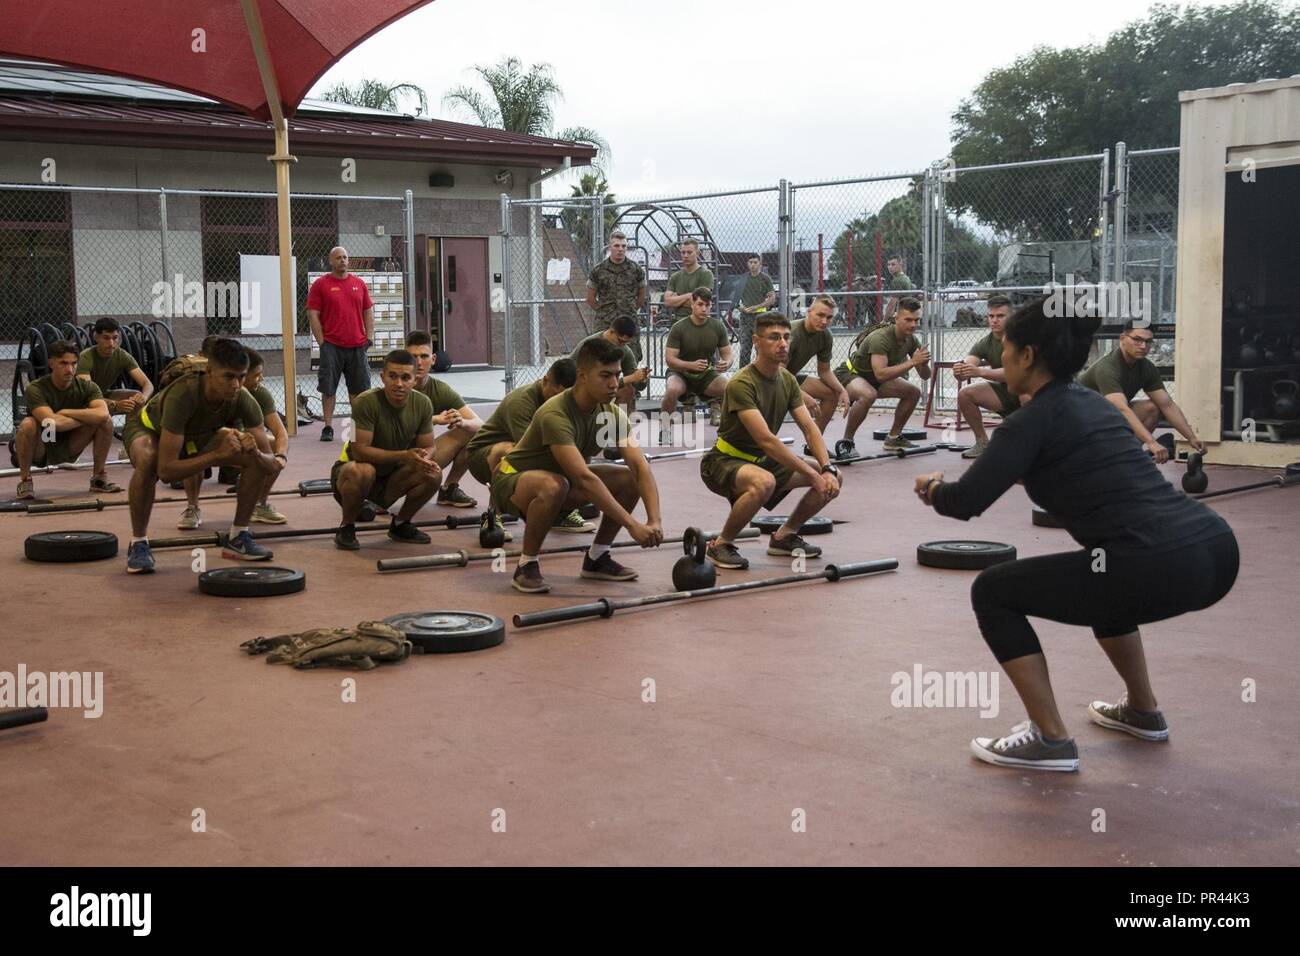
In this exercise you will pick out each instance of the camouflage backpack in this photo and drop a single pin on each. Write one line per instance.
(183, 366)
(359, 647)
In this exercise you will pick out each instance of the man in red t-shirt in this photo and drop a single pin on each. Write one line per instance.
(342, 321)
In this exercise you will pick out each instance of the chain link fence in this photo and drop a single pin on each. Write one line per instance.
(169, 266)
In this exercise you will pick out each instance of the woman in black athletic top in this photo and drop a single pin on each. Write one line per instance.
(1149, 552)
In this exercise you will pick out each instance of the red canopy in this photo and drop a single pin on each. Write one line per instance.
(158, 42)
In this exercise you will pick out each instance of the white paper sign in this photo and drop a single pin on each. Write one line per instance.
(259, 294)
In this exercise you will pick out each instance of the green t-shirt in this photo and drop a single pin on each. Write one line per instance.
(682, 281)
(804, 344)
(881, 341)
(989, 348)
(756, 289)
(391, 428)
(694, 342)
(617, 286)
(559, 421)
(629, 358)
(510, 419)
(749, 388)
(105, 372)
(441, 395)
(265, 400)
(182, 408)
(901, 281)
(1110, 374)
(43, 392)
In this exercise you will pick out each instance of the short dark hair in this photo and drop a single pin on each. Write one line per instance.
(764, 319)
(1061, 344)
(255, 360)
(419, 337)
(61, 347)
(997, 300)
(598, 352)
(894, 257)
(1132, 324)
(106, 324)
(909, 304)
(227, 353)
(399, 357)
(703, 294)
(624, 324)
(753, 255)
(208, 343)
(564, 371)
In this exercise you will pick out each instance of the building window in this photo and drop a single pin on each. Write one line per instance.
(36, 278)
(246, 225)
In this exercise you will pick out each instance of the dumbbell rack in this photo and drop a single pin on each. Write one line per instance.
(1276, 429)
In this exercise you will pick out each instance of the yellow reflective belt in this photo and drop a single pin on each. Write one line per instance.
(848, 364)
(343, 455)
(730, 450)
(506, 468)
(144, 417)
(191, 448)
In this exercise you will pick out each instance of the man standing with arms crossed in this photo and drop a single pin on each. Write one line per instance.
(342, 321)
(757, 296)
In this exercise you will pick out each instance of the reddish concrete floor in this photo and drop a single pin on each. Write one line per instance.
(767, 703)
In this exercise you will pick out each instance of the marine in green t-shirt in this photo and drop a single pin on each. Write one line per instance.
(805, 344)
(757, 295)
(882, 340)
(1122, 373)
(110, 367)
(985, 362)
(810, 337)
(507, 424)
(391, 454)
(879, 363)
(105, 372)
(689, 351)
(748, 464)
(451, 412)
(622, 333)
(687, 279)
(64, 414)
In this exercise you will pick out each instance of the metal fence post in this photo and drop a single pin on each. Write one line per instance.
(784, 240)
(1121, 210)
(1103, 210)
(162, 240)
(535, 290)
(597, 230)
(509, 325)
(410, 260)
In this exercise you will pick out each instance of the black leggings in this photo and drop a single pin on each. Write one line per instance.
(1134, 589)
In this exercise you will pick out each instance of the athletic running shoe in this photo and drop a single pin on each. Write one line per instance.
(573, 523)
(1120, 716)
(26, 490)
(191, 518)
(327, 433)
(345, 539)
(1025, 747)
(243, 547)
(450, 496)
(715, 414)
(975, 450)
(139, 559)
(897, 443)
(265, 513)
(605, 568)
(102, 484)
(785, 547)
(406, 532)
(528, 578)
(725, 555)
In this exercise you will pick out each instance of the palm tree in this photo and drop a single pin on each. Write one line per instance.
(578, 221)
(521, 101)
(377, 95)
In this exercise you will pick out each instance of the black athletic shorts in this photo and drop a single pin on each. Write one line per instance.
(337, 362)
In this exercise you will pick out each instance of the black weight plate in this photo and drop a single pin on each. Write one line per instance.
(252, 582)
(449, 632)
(1043, 519)
(314, 486)
(911, 434)
(589, 511)
(66, 546)
(817, 524)
(963, 555)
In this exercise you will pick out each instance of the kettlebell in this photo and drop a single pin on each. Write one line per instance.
(1249, 356)
(1286, 399)
(1196, 480)
(490, 534)
(368, 512)
(693, 572)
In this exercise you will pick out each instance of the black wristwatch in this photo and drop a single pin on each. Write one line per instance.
(830, 470)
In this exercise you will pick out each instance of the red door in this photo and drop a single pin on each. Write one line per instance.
(465, 294)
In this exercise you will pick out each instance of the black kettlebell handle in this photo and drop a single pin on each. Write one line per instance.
(694, 545)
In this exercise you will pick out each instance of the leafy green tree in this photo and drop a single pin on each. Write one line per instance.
(377, 95)
(578, 221)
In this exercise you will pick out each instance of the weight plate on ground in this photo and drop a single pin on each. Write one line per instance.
(1043, 519)
(64, 546)
(817, 524)
(449, 632)
(314, 486)
(963, 555)
(911, 434)
(251, 582)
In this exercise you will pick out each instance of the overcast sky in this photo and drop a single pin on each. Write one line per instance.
(697, 96)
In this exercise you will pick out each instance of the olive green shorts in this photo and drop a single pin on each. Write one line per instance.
(56, 452)
(477, 463)
(719, 473)
(378, 492)
(696, 383)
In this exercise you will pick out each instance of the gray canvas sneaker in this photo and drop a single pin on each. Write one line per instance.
(1120, 716)
(1025, 747)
